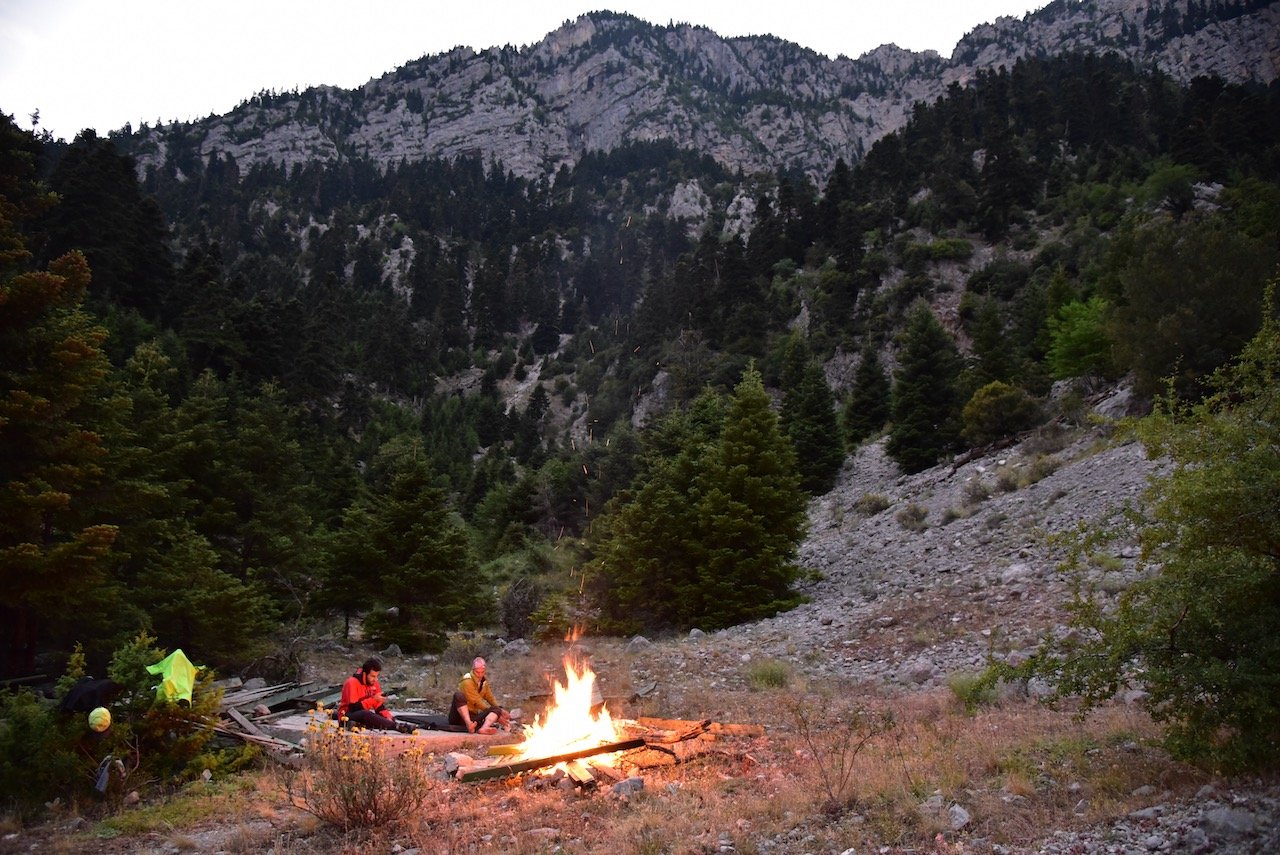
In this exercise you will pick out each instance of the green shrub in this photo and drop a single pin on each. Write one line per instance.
(1199, 630)
(912, 517)
(973, 690)
(347, 783)
(995, 411)
(41, 753)
(45, 753)
(870, 504)
(769, 674)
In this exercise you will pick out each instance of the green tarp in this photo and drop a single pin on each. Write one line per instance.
(178, 676)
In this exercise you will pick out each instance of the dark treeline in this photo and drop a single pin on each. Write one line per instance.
(326, 391)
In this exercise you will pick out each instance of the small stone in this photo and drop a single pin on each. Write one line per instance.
(958, 817)
(629, 786)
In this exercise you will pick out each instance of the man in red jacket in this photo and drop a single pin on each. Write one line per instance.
(362, 702)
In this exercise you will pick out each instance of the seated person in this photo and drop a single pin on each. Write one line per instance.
(474, 706)
(362, 702)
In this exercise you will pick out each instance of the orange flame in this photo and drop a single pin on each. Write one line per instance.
(576, 719)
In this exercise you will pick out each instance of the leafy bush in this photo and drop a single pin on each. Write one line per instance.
(39, 753)
(995, 411)
(45, 753)
(973, 690)
(347, 782)
(1201, 631)
(1080, 344)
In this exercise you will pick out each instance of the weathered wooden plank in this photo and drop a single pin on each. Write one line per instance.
(502, 770)
(250, 727)
(605, 769)
(580, 774)
(680, 724)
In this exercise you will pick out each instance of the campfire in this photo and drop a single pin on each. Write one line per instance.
(576, 719)
(577, 736)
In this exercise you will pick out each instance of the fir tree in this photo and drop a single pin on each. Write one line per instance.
(420, 565)
(924, 409)
(867, 409)
(809, 418)
(53, 546)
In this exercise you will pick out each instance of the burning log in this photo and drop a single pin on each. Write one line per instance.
(503, 770)
(580, 774)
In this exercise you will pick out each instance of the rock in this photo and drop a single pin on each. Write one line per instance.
(638, 642)
(456, 760)
(958, 817)
(392, 650)
(1016, 573)
(1229, 822)
(695, 634)
(517, 647)
(629, 786)
(254, 683)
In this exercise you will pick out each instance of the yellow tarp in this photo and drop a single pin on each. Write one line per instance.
(178, 676)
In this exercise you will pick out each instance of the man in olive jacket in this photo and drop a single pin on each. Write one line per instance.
(474, 706)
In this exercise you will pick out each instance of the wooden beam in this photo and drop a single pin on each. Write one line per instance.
(680, 724)
(580, 774)
(505, 769)
(238, 718)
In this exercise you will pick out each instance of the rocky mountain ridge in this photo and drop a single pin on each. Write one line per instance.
(753, 103)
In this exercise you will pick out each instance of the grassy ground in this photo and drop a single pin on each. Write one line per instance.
(841, 766)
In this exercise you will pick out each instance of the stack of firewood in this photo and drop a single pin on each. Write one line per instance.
(647, 743)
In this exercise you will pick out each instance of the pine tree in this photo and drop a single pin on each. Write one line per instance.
(175, 582)
(52, 547)
(419, 563)
(708, 533)
(751, 515)
(867, 410)
(809, 419)
(925, 410)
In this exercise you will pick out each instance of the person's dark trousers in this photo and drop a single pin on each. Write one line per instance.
(370, 720)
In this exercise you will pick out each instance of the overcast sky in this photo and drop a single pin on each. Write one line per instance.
(101, 63)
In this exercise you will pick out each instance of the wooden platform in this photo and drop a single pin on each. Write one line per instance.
(294, 729)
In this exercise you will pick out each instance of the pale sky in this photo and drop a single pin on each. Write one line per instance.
(103, 63)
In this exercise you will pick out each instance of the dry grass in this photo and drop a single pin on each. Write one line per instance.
(1020, 769)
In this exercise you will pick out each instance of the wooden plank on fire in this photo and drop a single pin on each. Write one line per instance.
(679, 724)
(580, 774)
(605, 769)
(502, 770)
